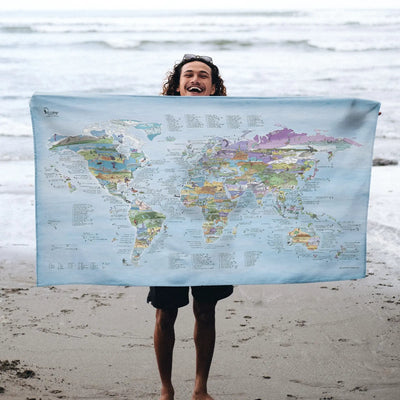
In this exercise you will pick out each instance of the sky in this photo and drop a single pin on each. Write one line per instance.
(203, 4)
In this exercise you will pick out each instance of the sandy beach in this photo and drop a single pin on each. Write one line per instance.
(335, 340)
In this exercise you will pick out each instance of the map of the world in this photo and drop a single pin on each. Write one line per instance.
(134, 190)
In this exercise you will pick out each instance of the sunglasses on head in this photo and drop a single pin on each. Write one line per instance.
(187, 57)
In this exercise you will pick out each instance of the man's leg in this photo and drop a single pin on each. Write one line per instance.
(164, 340)
(204, 338)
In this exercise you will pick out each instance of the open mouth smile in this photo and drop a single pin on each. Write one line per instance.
(194, 89)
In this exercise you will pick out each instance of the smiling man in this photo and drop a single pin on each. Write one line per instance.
(196, 80)
(193, 76)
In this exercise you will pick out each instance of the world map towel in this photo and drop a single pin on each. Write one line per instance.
(178, 191)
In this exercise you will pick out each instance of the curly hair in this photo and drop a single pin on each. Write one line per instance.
(171, 83)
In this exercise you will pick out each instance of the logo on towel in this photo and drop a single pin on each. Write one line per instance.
(49, 113)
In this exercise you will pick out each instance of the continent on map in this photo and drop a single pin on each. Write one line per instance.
(270, 164)
(148, 224)
(216, 205)
(113, 159)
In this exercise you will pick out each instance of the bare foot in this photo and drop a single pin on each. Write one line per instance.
(201, 396)
(167, 393)
(167, 397)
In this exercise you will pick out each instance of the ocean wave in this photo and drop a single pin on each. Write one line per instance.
(209, 21)
(110, 44)
(352, 23)
(16, 148)
(17, 29)
(11, 97)
(10, 60)
(171, 27)
(232, 44)
(361, 48)
(189, 29)
(20, 135)
(10, 157)
(219, 44)
(14, 129)
(213, 44)
(242, 36)
(251, 13)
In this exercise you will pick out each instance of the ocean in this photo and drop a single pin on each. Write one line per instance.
(333, 53)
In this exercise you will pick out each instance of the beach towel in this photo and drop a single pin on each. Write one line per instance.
(179, 191)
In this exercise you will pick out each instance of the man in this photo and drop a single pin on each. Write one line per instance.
(193, 76)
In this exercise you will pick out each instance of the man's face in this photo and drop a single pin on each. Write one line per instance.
(195, 80)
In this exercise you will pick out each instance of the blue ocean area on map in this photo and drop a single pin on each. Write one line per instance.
(151, 190)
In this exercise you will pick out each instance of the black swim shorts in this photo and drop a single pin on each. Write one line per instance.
(174, 297)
